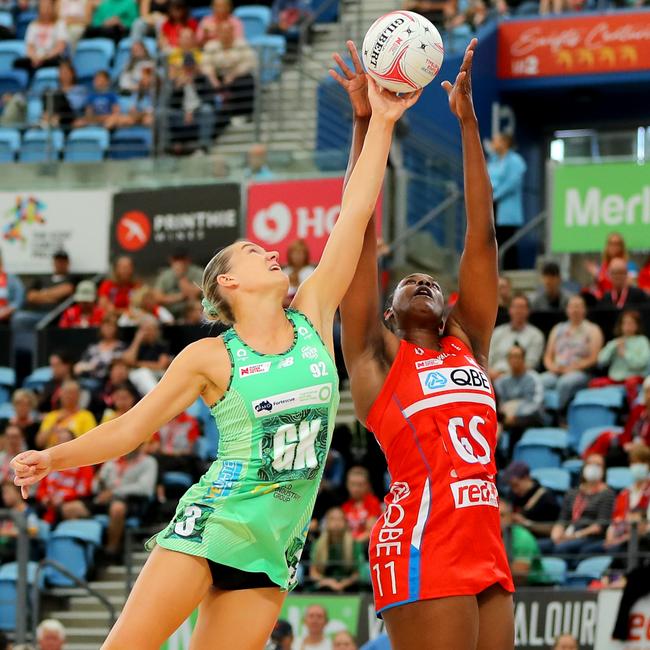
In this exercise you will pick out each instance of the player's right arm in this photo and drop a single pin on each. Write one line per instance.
(181, 385)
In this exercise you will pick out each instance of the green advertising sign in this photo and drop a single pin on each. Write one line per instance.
(590, 201)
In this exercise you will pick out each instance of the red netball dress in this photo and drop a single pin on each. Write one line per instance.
(435, 420)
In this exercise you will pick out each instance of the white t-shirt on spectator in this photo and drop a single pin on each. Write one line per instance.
(43, 37)
(73, 9)
(325, 644)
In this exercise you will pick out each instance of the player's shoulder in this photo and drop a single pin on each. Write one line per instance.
(205, 350)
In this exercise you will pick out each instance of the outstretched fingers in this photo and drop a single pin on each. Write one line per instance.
(352, 48)
(343, 66)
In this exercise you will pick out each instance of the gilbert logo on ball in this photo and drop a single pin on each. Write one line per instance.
(402, 51)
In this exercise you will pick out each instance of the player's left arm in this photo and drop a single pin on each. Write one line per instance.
(473, 316)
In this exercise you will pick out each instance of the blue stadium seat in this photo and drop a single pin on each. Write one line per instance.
(23, 21)
(619, 478)
(593, 568)
(7, 383)
(39, 377)
(611, 396)
(177, 479)
(73, 544)
(574, 467)
(270, 50)
(93, 55)
(589, 435)
(551, 400)
(325, 11)
(537, 455)
(132, 142)
(44, 79)
(555, 568)
(7, 411)
(585, 414)
(13, 81)
(8, 595)
(88, 144)
(9, 52)
(34, 110)
(123, 53)
(6, 20)
(39, 146)
(549, 436)
(256, 19)
(553, 478)
(194, 409)
(9, 144)
(200, 12)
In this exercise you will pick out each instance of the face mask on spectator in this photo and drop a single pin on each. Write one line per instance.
(593, 473)
(640, 471)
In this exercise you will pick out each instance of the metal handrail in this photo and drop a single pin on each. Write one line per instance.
(520, 234)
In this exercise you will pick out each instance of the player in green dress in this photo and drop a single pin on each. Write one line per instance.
(234, 544)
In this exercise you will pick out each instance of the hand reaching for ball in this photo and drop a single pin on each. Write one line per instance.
(387, 105)
(460, 94)
(354, 81)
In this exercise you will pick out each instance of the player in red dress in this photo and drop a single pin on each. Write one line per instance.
(439, 568)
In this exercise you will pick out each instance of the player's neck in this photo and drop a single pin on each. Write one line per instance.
(421, 336)
(261, 320)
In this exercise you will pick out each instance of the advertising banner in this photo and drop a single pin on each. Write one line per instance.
(36, 224)
(575, 45)
(148, 225)
(590, 201)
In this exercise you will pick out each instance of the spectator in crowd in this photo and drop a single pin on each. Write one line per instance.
(65, 104)
(287, 17)
(256, 166)
(46, 40)
(70, 415)
(97, 358)
(50, 635)
(61, 367)
(637, 427)
(433, 10)
(124, 398)
(102, 107)
(85, 312)
(25, 415)
(153, 14)
(507, 169)
(520, 394)
(550, 296)
(118, 375)
(178, 24)
(282, 636)
(523, 550)
(176, 285)
(363, 508)
(115, 292)
(504, 297)
(74, 13)
(221, 14)
(12, 293)
(572, 349)
(566, 642)
(517, 332)
(298, 267)
(630, 507)
(585, 512)
(60, 492)
(229, 62)
(111, 19)
(13, 443)
(141, 111)
(335, 557)
(382, 642)
(148, 354)
(343, 641)
(131, 74)
(144, 302)
(193, 314)
(331, 485)
(13, 501)
(534, 506)
(622, 293)
(615, 247)
(315, 621)
(187, 44)
(643, 281)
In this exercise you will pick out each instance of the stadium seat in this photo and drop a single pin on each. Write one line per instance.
(93, 55)
(9, 52)
(551, 400)
(589, 435)
(587, 411)
(72, 544)
(553, 478)
(13, 81)
(574, 467)
(38, 378)
(548, 436)
(256, 19)
(34, 110)
(87, 144)
(41, 145)
(23, 21)
(123, 53)
(325, 11)
(619, 478)
(270, 49)
(177, 480)
(593, 568)
(200, 12)
(132, 142)
(611, 396)
(555, 568)
(9, 144)
(7, 411)
(536, 455)
(44, 79)
(7, 383)
(8, 595)
(6, 20)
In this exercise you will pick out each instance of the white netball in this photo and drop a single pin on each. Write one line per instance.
(402, 51)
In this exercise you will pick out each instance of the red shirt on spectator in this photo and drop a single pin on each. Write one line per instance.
(637, 426)
(172, 31)
(643, 281)
(179, 435)
(119, 295)
(74, 317)
(66, 485)
(358, 512)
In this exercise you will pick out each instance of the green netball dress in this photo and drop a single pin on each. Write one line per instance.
(252, 508)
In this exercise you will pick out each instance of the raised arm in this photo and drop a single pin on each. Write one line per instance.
(320, 295)
(474, 314)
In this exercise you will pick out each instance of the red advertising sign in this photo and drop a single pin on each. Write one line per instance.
(279, 213)
(576, 45)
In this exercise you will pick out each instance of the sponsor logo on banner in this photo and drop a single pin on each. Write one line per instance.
(310, 396)
(255, 369)
(133, 231)
(474, 492)
(430, 363)
(464, 377)
(286, 363)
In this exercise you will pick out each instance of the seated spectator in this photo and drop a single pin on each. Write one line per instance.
(314, 638)
(335, 556)
(26, 415)
(61, 367)
(523, 550)
(46, 40)
(111, 19)
(256, 167)
(153, 14)
(13, 443)
(550, 296)
(282, 636)
(504, 293)
(287, 19)
(586, 511)
(572, 350)
(643, 281)
(344, 641)
(298, 267)
(363, 508)
(187, 44)
(534, 507)
(12, 293)
(520, 394)
(118, 375)
(566, 642)
(637, 427)
(13, 501)
(179, 24)
(102, 107)
(621, 294)
(115, 292)
(63, 105)
(59, 493)
(85, 312)
(131, 74)
(74, 13)
(144, 302)
(432, 10)
(517, 332)
(208, 29)
(382, 642)
(97, 358)
(142, 110)
(124, 398)
(70, 415)
(193, 314)
(50, 635)
(179, 284)
(615, 247)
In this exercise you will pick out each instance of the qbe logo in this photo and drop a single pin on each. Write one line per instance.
(474, 492)
(435, 379)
